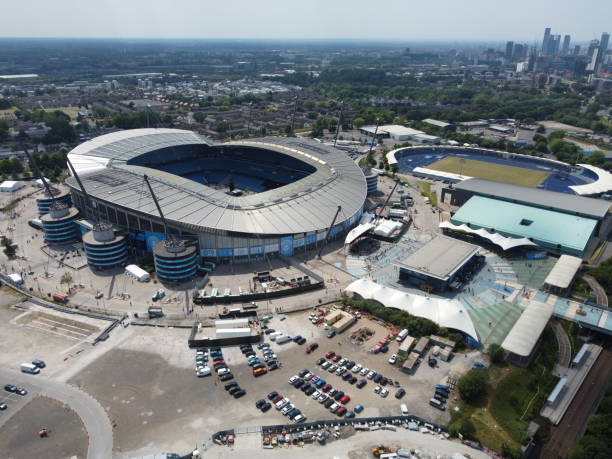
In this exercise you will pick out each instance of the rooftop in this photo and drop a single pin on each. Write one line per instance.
(521, 220)
(441, 257)
(564, 271)
(527, 330)
(552, 200)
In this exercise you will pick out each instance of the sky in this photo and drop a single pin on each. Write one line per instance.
(456, 20)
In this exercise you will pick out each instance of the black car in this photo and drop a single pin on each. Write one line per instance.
(384, 349)
(329, 402)
(294, 412)
(346, 376)
(259, 403)
(234, 389)
(272, 366)
(361, 383)
(377, 378)
(321, 360)
(299, 383)
(400, 393)
(352, 380)
(350, 415)
(305, 387)
(269, 330)
(301, 341)
(226, 377)
(442, 393)
(310, 391)
(272, 394)
(11, 388)
(258, 365)
(265, 407)
(229, 385)
(339, 395)
(303, 372)
(383, 381)
(349, 364)
(240, 393)
(439, 398)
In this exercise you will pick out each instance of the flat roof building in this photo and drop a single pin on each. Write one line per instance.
(437, 123)
(552, 230)
(339, 320)
(438, 263)
(561, 276)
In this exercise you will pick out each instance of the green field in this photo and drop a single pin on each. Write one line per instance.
(490, 171)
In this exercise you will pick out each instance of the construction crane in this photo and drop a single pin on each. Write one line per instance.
(329, 231)
(87, 197)
(49, 190)
(161, 214)
(387, 200)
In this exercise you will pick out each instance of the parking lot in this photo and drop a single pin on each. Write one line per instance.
(158, 404)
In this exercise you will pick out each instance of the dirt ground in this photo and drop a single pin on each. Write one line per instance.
(67, 436)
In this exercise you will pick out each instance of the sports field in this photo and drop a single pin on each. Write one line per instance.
(490, 171)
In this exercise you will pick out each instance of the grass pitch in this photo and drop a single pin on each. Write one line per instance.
(490, 171)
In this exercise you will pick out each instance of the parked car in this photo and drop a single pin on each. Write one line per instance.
(371, 374)
(266, 407)
(321, 360)
(404, 409)
(400, 393)
(3, 406)
(303, 372)
(226, 377)
(377, 389)
(356, 368)
(330, 354)
(271, 395)
(329, 402)
(297, 338)
(336, 358)
(331, 334)
(240, 393)
(392, 359)
(326, 387)
(361, 383)
(364, 371)
(352, 380)
(338, 395)
(334, 407)
(39, 363)
(311, 347)
(350, 415)
(344, 399)
(358, 408)
(384, 393)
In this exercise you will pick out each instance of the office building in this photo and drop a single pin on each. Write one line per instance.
(509, 50)
(566, 45)
(545, 41)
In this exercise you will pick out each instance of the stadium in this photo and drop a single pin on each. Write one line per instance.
(237, 201)
(459, 163)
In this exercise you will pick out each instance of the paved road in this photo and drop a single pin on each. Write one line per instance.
(89, 410)
(600, 293)
(565, 348)
(573, 424)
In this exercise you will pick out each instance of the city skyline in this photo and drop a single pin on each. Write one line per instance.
(272, 19)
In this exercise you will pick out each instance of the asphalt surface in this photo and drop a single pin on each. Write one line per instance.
(573, 424)
(600, 293)
(92, 414)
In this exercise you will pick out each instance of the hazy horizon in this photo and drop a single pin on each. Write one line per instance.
(473, 21)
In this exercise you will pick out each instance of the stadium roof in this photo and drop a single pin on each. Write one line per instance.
(446, 313)
(527, 330)
(603, 184)
(440, 258)
(563, 272)
(536, 196)
(306, 205)
(521, 220)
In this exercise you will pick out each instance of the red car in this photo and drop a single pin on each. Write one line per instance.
(326, 387)
(278, 398)
(215, 362)
(337, 358)
(330, 354)
(341, 411)
(344, 399)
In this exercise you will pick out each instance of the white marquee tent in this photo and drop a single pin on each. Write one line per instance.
(502, 241)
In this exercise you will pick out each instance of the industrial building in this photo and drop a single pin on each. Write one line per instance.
(399, 133)
(440, 263)
(238, 201)
(339, 320)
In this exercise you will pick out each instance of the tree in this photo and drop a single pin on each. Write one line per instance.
(199, 117)
(473, 385)
(66, 278)
(358, 122)
(9, 250)
(496, 352)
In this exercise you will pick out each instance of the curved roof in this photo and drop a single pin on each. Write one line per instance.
(446, 313)
(603, 184)
(527, 330)
(306, 205)
(506, 243)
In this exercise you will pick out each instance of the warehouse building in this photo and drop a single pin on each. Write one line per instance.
(442, 263)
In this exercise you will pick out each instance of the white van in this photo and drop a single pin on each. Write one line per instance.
(30, 368)
(404, 409)
(275, 335)
(283, 339)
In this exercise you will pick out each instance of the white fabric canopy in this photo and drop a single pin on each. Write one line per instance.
(502, 241)
(358, 231)
(387, 227)
(527, 330)
(446, 313)
(564, 271)
(603, 184)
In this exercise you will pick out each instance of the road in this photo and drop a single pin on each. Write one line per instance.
(573, 424)
(89, 410)
(600, 293)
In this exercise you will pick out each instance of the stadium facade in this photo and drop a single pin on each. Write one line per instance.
(238, 201)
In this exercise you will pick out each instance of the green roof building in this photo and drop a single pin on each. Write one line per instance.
(553, 231)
